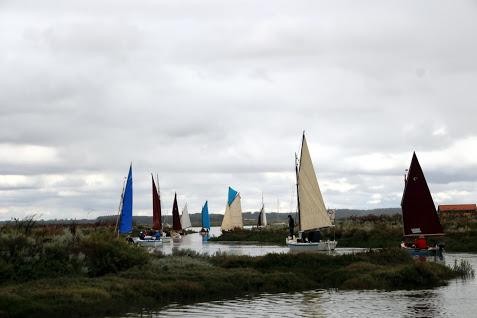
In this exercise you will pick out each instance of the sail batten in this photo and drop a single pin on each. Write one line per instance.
(312, 210)
(233, 212)
(418, 210)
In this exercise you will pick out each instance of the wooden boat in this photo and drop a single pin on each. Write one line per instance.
(233, 212)
(185, 218)
(125, 212)
(312, 213)
(205, 219)
(151, 241)
(419, 215)
(262, 217)
(176, 222)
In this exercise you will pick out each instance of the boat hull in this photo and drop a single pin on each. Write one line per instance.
(295, 246)
(148, 243)
(431, 253)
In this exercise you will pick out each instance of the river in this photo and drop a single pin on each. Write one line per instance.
(457, 299)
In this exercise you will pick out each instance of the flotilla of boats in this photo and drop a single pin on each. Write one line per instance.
(420, 218)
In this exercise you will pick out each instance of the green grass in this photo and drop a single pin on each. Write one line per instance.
(183, 278)
(271, 234)
(73, 274)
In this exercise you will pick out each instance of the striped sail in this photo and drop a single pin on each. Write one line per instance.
(312, 211)
(233, 212)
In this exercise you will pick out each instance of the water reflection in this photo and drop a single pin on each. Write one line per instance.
(458, 299)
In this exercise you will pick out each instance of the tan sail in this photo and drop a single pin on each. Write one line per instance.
(233, 215)
(312, 209)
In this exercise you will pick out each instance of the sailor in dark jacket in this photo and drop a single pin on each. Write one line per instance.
(291, 225)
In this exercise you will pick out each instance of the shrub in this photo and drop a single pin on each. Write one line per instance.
(105, 254)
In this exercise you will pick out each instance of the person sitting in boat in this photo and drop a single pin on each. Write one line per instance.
(157, 236)
(142, 236)
(291, 225)
(421, 242)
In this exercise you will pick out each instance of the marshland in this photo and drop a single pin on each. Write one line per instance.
(83, 270)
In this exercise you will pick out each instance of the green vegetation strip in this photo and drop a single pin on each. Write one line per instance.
(70, 273)
(366, 231)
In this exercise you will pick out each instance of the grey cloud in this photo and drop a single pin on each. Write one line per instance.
(211, 94)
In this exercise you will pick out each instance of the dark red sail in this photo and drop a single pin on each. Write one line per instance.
(176, 220)
(418, 210)
(156, 208)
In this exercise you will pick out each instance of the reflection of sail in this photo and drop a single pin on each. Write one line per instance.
(312, 209)
(233, 212)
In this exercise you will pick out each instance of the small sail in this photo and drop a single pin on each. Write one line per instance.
(125, 222)
(176, 220)
(233, 212)
(312, 209)
(185, 219)
(263, 215)
(205, 216)
(156, 207)
(418, 210)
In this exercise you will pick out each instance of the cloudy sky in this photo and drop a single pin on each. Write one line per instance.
(209, 94)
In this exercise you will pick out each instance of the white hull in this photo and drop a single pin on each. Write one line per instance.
(148, 243)
(311, 246)
(166, 239)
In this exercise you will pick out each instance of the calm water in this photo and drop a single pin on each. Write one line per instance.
(458, 299)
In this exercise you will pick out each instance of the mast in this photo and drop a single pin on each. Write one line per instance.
(297, 191)
(120, 207)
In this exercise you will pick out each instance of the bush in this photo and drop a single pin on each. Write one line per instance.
(105, 254)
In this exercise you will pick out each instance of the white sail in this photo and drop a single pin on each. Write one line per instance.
(263, 215)
(233, 215)
(313, 214)
(185, 219)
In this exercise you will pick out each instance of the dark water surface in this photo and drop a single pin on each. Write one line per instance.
(458, 299)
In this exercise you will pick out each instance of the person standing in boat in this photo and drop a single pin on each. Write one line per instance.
(291, 225)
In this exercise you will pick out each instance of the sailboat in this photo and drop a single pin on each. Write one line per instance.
(205, 219)
(311, 208)
(185, 218)
(419, 215)
(233, 212)
(176, 221)
(262, 217)
(124, 220)
(150, 241)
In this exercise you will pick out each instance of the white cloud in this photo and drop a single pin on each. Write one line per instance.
(213, 94)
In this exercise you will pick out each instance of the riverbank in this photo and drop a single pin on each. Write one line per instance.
(88, 272)
(366, 232)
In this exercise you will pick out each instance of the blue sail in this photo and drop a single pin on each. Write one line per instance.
(205, 216)
(232, 195)
(125, 223)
